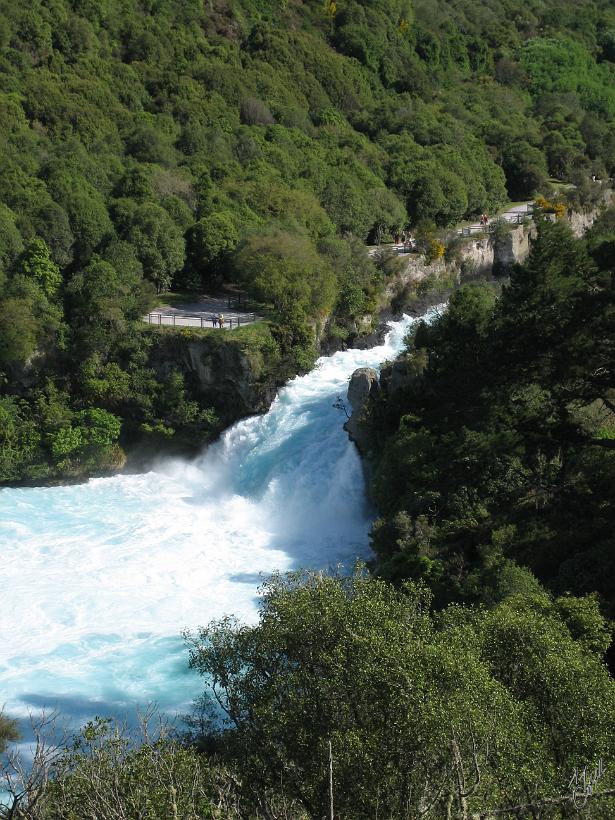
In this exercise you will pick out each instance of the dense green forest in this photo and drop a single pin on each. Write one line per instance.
(158, 144)
(498, 443)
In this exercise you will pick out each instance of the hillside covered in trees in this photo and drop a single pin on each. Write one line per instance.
(496, 446)
(156, 145)
(183, 145)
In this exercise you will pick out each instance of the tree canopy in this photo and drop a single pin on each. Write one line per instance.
(433, 715)
(166, 145)
(499, 443)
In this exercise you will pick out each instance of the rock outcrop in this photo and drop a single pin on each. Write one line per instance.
(364, 387)
(580, 221)
(220, 372)
(475, 256)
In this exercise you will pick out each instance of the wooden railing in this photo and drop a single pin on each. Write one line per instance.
(187, 320)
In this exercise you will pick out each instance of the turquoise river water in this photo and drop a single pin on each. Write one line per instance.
(98, 580)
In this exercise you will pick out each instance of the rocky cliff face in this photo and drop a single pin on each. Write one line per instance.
(364, 387)
(514, 248)
(580, 221)
(481, 256)
(220, 372)
(477, 256)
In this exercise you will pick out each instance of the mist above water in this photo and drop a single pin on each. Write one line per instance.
(99, 579)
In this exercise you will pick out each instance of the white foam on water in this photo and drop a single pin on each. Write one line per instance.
(99, 579)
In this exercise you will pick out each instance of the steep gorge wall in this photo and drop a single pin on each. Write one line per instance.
(481, 256)
(475, 257)
(472, 257)
(239, 379)
(222, 373)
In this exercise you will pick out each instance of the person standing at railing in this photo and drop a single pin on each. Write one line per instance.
(221, 321)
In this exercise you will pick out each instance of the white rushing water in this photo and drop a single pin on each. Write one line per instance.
(99, 579)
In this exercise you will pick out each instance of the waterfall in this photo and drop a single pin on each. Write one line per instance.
(99, 579)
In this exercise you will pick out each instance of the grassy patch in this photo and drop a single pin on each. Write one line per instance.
(559, 185)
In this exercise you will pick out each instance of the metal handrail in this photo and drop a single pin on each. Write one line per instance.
(518, 218)
(157, 318)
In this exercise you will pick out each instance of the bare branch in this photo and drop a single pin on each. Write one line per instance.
(522, 810)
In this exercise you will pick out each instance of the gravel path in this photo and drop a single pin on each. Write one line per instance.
(205, 312)
(512, 215)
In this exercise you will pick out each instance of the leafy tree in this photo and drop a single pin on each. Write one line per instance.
(88, 215)
(288, 271)
(388, 209)
(354, 662)
(347, 206)
(11, 242)
(159, 243)
(173, 411)
(525, 169)
(53, 226)
(101, 303)
(105, 383)
(37, 263)
(178, 210)
(147, 143)
(20, 439)
(123, 257)
(135, 184)
(211, 241)
(18, 330)
(88, 442)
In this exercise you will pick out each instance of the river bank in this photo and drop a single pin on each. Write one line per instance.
(233, 376)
